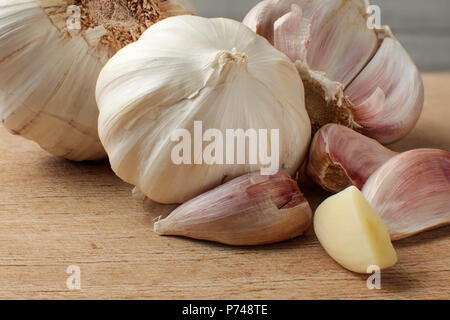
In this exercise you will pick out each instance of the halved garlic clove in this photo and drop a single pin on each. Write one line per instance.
(340, 157)
(411, 192)
(249, 210)
(351, 77)
(51, 53)
(352, 233)
(388, 95)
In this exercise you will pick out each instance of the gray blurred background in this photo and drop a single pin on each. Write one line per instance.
(423, 26)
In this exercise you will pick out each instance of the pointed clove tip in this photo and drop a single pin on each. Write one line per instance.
(159, 228)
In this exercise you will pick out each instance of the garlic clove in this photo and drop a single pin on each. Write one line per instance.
(49, 68)
(249, 210)
(340, 157)
(352, 233)
(411, 192)
(262, 17)
(388, 95)
(340, 44)
(292, 33)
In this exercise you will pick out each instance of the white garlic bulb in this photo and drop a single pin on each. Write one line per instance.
(190, 69)
(51, 52)
(356, 73)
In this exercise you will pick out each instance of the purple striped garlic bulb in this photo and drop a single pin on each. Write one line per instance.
(354, 74)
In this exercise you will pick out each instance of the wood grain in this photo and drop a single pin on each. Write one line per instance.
(54, 213)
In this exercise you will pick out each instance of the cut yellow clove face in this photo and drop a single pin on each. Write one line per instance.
(352, 233)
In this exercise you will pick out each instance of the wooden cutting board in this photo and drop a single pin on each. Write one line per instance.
(55, 214)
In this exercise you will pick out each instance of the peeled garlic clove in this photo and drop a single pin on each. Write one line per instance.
(411, 192)
(351, 77)
(352, 233)
(51, 53)
(388, 95)
(190, 72)
(340, 157)
(249, 210)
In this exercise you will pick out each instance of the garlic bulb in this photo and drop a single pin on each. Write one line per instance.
(354, 75)
(51, 52)
(187, 73)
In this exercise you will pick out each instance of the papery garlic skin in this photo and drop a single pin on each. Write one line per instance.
(48, 71)
(340, 157)
(388, 95)
(186, 69)
(249, 210)
(351, 77)
(411, 192)
(352, 233)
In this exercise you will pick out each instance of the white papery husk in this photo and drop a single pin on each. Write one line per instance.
(48, 72)
(187, 69)
(354, 75)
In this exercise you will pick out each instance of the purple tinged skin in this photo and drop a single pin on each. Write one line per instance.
(381, 83)
(388, 95)
(292, 33)
(411, 192)
(340, 157)
(249, 210)
(338, 41)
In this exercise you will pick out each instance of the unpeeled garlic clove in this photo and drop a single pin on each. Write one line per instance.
(353, 75)
(411, 192)
(249, 210)
(352, 233)
(388, 95)
(340, 157)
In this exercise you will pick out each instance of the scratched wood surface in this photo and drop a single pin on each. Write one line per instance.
(54, 214)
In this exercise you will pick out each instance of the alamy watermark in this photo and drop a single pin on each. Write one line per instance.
(227, 147)
(73, 282)
(374, 19)
(374, 281)
(73, 22)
